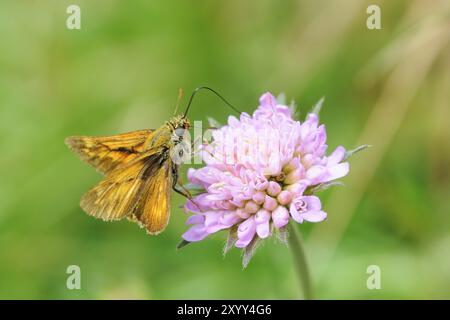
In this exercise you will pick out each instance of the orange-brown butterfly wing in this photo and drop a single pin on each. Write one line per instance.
(116, 196)
(140, 191)
(153, 208)
(106, 153)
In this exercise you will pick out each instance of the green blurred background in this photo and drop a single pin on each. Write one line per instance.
(122, 71)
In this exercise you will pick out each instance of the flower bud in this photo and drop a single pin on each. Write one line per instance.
(285, 197)
(251, 207)
(274, 189)
(242, 213)
(259, 197)
(270, 203)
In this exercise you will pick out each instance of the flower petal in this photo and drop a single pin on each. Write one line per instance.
(262, 216)
(263, 230)
(195, 233)
(315, 173)
(280, 217)
(212, 218)
(229, 218)
(337, 156)
(313, 203)
(192, 206)
(246, 232)
(195, 219)
(314, 216)
(295, 214)
(267, 99)
(338, 171)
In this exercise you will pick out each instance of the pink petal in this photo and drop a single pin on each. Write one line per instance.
(192, 206)
(280, 217)
(313, 119)
(338, 171)
(245, 117)
(196, 219)
(298, 188)
(195, 233)
(215, 228)
(313, 203)
(321, 135)
(336, 156)
(262, 216)
(246, 232)
(229, 218)
(205, 176)
(212, 221)
(191, 176)
(233, 122)
(295, 214)
(314, 216)
(284, 110)
(241, 213)
(267, 99)
(263, 230)
(315, 173)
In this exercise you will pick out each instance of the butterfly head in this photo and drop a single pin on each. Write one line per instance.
(180, 126)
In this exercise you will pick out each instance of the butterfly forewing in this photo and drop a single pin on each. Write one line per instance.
(106, 153)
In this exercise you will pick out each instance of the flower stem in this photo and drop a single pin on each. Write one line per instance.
(300, 265)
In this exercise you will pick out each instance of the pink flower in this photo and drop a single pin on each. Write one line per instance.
(258, 174)
(307, 208)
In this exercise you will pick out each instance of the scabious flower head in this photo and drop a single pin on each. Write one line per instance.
(259, 174)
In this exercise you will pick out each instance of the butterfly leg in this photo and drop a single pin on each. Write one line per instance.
(181, 189)
(185, 193)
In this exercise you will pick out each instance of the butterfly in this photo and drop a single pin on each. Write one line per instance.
(140, 169)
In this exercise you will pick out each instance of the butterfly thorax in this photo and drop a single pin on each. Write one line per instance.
(169, 134)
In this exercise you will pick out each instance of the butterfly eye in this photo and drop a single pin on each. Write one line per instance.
(180, 132)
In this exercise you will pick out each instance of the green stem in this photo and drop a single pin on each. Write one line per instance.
(300, 265)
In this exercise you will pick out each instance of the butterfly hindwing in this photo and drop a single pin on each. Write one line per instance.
(153, 208)
(114, 197)
(140, 191)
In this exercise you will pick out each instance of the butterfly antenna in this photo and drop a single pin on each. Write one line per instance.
(180, 95)
(213, 91)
